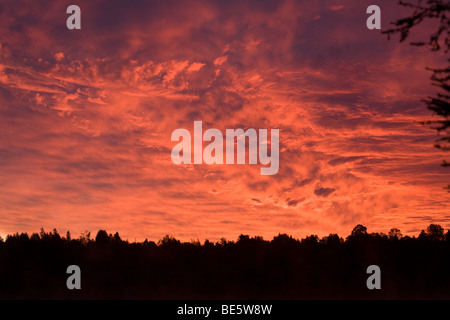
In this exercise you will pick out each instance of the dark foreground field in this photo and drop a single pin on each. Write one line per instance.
(34, 267)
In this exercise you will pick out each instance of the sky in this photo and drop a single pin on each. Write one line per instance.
(86, 118)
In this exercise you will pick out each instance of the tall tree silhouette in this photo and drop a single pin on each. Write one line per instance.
(438, 11)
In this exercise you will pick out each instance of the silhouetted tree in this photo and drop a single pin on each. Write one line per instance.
(85, 237)
(359, 230)
(435, 232)
(35, 236)
(283, 238)
(437, 10)
(208, 243)
(243, 238)
(358, 234)
(333, 239)
(43, 235)
(55, 235)
(285, 241)
(222, 242)
(102, 237)
(311, 239)
(116, 238)
(422, 11)
(422, 235)
(169, 241)
(394, 234)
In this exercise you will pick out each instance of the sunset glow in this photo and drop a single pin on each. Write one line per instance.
(86, 118)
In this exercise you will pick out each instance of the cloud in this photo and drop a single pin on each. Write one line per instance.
(324, 192)
(256, 201)
(342, 160)
(294, 202)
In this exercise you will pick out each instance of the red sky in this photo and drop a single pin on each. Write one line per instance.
(86, 118)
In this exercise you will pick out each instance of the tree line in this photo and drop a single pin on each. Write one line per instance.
(34, 266)
(434, 232)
